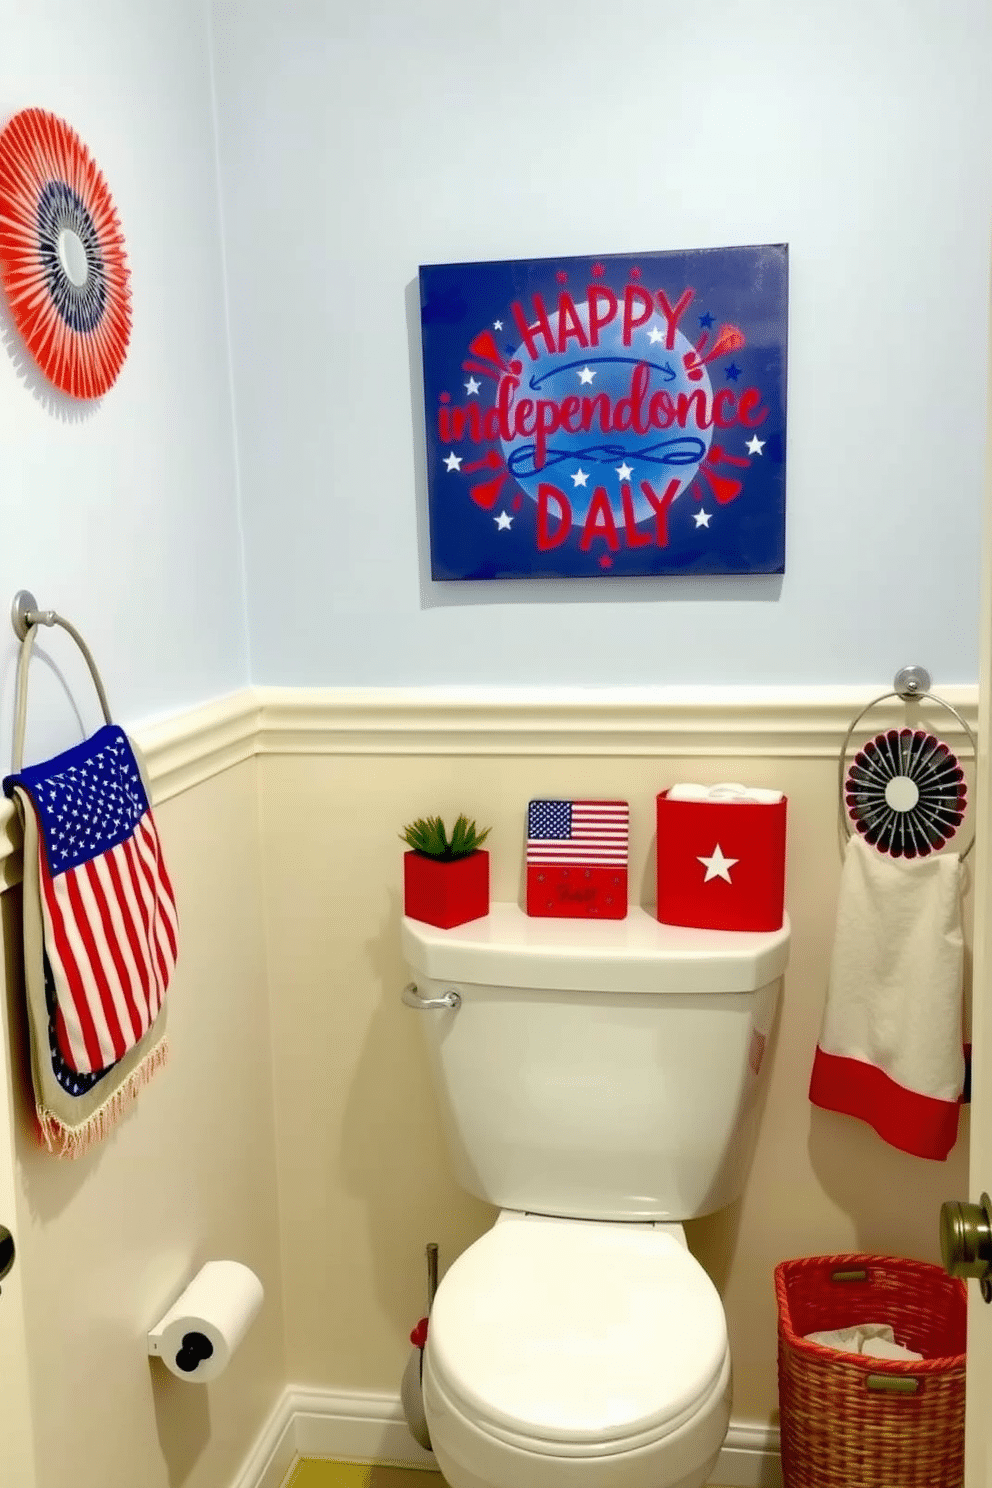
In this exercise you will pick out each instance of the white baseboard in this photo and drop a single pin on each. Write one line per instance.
(354, 1426)
(750, 1458)
(274, 1452)
(357, 1426)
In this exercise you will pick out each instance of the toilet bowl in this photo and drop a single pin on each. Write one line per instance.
(574, 1352)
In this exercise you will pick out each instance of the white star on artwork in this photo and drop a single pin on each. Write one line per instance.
(503, 522)
(702, 519)
(497, 325)
(716, 865)
(755, 445)
(472, 386)
(586, 375)
(453, 461)
(656, 334)
(625, 471)
(579, 478)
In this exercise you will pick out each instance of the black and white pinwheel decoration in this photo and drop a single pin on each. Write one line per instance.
(905, 793)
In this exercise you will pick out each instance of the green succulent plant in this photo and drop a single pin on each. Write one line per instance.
(428, 837)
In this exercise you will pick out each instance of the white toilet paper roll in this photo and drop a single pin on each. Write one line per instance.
(197, 1336)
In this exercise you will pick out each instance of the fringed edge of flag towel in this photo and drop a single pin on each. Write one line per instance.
(66, 1140)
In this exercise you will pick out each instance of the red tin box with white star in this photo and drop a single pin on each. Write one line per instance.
(577, 859)
(721, 857)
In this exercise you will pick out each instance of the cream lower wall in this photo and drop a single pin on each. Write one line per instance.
(364, 1178)
(295, 1128)
(16, 1437)
(107, 1242)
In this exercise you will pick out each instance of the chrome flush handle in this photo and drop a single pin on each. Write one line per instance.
(412, 998)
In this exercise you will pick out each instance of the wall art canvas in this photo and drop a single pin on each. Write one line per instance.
(607, 416)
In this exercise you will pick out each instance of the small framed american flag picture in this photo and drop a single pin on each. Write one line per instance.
(577, 855)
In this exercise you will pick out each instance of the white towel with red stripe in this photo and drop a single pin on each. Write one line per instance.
(891, 1048)
(101, 935)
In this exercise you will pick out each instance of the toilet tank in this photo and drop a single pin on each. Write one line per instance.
(594, 1069)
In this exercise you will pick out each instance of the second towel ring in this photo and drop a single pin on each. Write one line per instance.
(936, 826)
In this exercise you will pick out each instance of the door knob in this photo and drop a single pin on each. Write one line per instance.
(966, 1241)
(6, 1251)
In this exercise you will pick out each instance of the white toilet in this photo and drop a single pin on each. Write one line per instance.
(599, 1083)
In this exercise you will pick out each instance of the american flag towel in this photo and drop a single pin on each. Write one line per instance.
(577, 854)
(100, 935)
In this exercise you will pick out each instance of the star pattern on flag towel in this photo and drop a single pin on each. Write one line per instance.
(90, 807)
(717, 865)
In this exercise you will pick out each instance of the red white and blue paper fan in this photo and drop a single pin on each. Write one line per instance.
(906, 793)
(62, 260)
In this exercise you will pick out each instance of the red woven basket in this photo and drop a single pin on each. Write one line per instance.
(852, 1421)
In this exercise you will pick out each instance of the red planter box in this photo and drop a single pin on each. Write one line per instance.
(446, 894)
(721, 864)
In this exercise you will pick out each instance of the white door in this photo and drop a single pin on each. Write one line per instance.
(17, 1464)
(978, 1429)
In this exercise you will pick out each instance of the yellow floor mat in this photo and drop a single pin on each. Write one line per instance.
(310, 1473)
(313, 1473)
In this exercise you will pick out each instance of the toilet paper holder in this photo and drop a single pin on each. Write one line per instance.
(194, 1350)
(196, 1337)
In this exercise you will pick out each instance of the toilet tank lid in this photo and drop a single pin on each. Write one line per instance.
(507, 948)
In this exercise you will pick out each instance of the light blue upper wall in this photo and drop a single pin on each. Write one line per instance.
(123, 515)
(357, 144)
(358, 141)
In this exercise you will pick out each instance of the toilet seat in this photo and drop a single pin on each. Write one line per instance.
(577, 1338)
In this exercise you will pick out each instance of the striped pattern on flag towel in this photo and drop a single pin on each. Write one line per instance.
(108, 908)
(577, 859)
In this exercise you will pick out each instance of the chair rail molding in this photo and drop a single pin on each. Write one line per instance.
(188, 748)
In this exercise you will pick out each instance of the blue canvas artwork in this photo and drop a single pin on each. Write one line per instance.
(607, 416)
